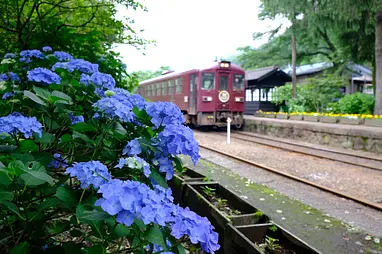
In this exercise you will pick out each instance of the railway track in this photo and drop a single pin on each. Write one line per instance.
(318, 152)
(361, 201)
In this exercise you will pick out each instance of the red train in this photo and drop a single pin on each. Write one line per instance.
(207, 96)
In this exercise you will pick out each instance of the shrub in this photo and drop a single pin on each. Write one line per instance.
(357, 103)
(84, 164)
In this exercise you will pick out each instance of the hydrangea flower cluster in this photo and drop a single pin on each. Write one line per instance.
(112, 108)
(46, 49)
(178, 139)
(10, 76)
(85, 79)
(10, 56)
(82, 66)
(26, 55)
(7, 95)
(102, 81)
(44, 76)
(58, 161)
(132, 148)
(131, 200)
(164, 113)
(16, 122)
(76, 119)
(165, 166)
(135, 163)
(63, 56)
(89, 173)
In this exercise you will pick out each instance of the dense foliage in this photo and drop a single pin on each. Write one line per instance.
(84, 164)
(357, 103)
(313, 96)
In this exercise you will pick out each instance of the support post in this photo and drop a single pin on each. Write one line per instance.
(229, 130)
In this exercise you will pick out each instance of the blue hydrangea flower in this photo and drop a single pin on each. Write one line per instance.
(63, 56)
(44, 76)
(132, 148)
(131, 200)
(164, 113)
(90, 173)
(76, 119)
(58, 161)
(46, 49)
(26, 55)
(7, 95)
(125, 97)
(10, 76)
(135, 163)
(178, 139)
(165, 166)
(82, 66)
(60, 65)
(10, 56)
(85, 79)
(112, 108)
(102, 82)
(16, 122)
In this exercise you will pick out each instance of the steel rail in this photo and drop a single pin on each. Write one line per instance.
(373, 205)
(307, 153)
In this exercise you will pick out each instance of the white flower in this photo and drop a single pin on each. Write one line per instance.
(8, 61)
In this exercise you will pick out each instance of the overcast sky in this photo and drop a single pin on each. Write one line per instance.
(192, 32)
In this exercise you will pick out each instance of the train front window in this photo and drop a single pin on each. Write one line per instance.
(238, 82)
(223, 83)
(208, 81)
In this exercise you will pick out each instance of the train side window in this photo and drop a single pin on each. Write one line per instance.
(170, 87)
(238, 82)
(164, 88)
(178, 86)
(158, 89)
(256, 95)
(148, 90)
(208, 81)
(270, 94)
(248, 95)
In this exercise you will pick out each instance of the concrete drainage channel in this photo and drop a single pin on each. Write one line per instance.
(242, 228)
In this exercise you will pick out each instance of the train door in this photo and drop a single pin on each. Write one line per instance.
(192, 110)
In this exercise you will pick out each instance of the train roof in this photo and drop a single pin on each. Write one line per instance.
(201, 68)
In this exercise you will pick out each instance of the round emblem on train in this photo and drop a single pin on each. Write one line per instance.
(224, 96)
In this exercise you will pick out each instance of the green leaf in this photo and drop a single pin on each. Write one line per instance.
(76, 233)
(12, 207)
(6, 195)
(49, 203)
(84, 215)
(83, 127)
(155, 235)
(178, 164)
(7, 148)
(35, 174)
(67, 196)
(62, 96)
(16, 168)
(121, 230)
(2, 165)
(28, 146)
(73, 248)
(57, 227)
(119, 129)
(66, 138)
(83, 137)
(21, 248)
(181, 249)
(41, 92)
(96, 249)
(34, 98)
(4, 178)
(159, 178)
(46, 138)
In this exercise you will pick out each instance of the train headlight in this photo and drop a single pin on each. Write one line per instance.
(239, 99)
(207, 98)
(224, 65)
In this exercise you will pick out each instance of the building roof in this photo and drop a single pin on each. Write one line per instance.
(259, 73)
(309, 68)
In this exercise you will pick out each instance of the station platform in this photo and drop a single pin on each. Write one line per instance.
(356, 137)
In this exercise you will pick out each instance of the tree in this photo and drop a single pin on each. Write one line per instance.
(147, 74)
(378, 57)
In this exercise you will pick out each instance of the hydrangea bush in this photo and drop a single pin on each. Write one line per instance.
(84, 164)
